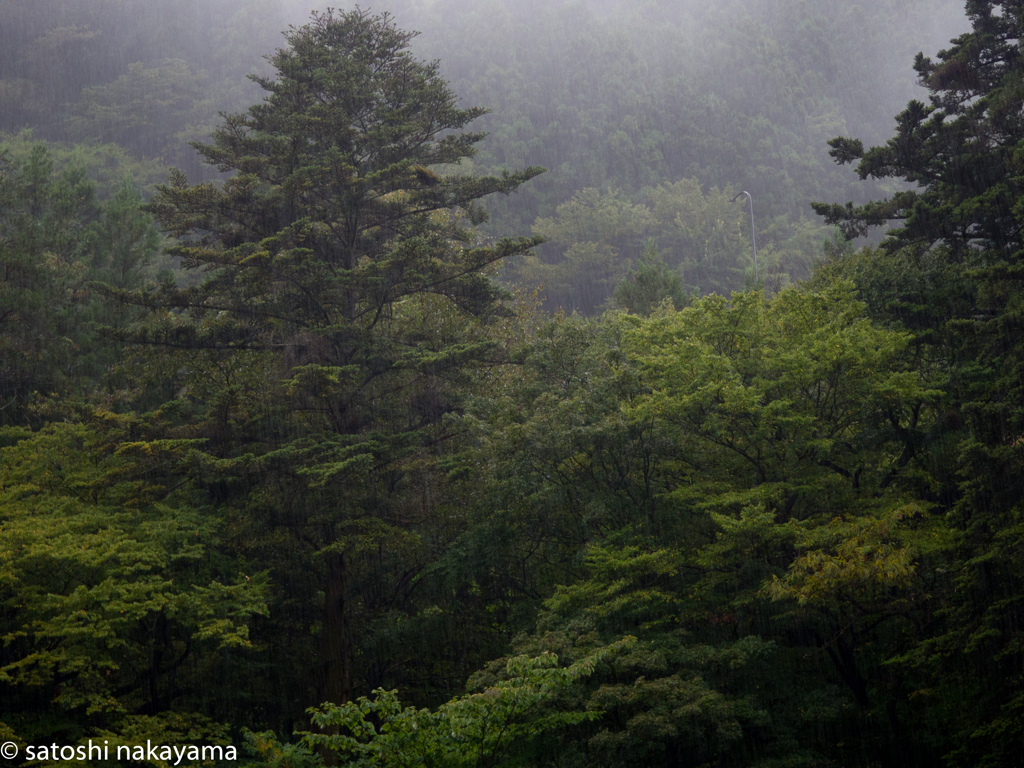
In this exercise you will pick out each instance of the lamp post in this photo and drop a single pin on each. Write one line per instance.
(753, 241)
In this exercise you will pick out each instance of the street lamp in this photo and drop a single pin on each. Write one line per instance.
(753, 242)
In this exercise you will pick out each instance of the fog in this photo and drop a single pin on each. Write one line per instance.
(607, 95)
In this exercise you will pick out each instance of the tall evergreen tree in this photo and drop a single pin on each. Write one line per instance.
(953, 272)
(333, 214)
(44, 226)
(963, 149)
(339, 257)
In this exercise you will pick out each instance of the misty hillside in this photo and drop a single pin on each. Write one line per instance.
(615, 97)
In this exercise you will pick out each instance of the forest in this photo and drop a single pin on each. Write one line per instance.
(507, 383)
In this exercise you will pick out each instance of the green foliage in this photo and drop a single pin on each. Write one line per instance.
(970, 184)
(805, 503)
(702, 237)
(54, 238)
(332, 237)
(862, 557)
(650, 284)
(105, 165)
(130, 71)
(705, 234)
(628, 96)
(486, 728)
(777, 393)
(592, 215)
(112, 586)
(740, 477)
(146, 110)
(598, 232)
(337, 262)
(126, 240)
(965, 340)
(951, 274)
(43, 255)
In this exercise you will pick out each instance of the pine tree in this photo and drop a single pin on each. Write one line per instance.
(953, 273)
(340, 253)
(332, 215)
(963, 149)
(649, 284)
(46, 221)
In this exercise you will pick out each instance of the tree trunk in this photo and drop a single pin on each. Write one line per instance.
(336, 650)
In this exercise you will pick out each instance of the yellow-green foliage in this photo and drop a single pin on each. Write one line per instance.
(108, 580)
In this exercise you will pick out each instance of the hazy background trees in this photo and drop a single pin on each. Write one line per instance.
(618, 97)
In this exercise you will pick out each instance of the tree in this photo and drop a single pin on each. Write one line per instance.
(733, 484)
(703, 235)
(55, 236)
(799, 422)
(649, 284)
(338, 252)
(952, 272)
(105, 165)
(116, 596)
(491, 728)
(599, 232)
(126, 240)
(962, 149)
(329, 222)
(146, 110)
(45, 222)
